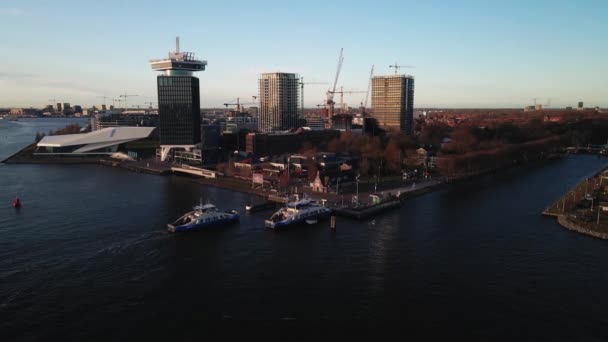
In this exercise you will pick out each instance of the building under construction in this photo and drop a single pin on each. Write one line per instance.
(393, 102)
(278, 101)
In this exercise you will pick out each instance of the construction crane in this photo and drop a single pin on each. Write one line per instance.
(397, 67)
(114, 102)
(369, 87)
(302, 83)
(342, 92)
(126, 96)
(330, 93)
(104, 98)
(149, 103)
(239, 105)
(54, 102)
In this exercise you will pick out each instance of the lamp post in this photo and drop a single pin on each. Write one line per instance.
(357, 178)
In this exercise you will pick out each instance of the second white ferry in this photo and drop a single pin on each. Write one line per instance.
(298, 212)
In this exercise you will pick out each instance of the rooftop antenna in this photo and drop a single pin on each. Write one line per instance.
(177, 44)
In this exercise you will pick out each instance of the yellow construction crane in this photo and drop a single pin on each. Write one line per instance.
(369, 87)
(330, 93)
(302, 83)
(397, 67)
(342, 92)
(126, 96)
(239, 104)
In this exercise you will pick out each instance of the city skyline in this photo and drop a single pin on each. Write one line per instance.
(471, 54)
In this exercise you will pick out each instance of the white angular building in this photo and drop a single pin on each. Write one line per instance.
(102, 142)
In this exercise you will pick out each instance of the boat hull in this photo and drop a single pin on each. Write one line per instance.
(202, 226)
(295, 222)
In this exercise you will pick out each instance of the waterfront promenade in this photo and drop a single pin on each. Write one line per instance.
(584, 209)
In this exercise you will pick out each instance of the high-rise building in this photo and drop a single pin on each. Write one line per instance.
(580, 106)
(59, 107)
(393, 102)
(278, 101)
(178, 101)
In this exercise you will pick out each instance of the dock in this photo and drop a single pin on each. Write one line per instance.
(363, 212)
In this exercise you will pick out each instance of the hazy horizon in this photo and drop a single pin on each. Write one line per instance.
(473, 54)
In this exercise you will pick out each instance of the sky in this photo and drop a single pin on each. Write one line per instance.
(465, 53)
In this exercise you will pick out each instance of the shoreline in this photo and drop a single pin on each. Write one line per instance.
(569, 225)
(562, 215)
(239, 185)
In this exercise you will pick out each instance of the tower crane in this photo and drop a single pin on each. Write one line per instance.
(342, 92)
(302, 83)
(330, 93)
(369, 87)
(239, 104)
(55, 100)
(397, 67)
(126, 96)
(104, 98)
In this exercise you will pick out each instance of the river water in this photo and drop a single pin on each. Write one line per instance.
(88, 257)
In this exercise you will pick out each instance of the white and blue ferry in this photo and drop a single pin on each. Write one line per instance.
(298, 212)
(203, 216)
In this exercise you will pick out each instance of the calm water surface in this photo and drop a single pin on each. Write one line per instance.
(88, 257)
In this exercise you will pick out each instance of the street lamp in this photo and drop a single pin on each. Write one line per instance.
(357, 178)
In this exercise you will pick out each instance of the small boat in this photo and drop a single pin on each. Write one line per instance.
(16, 203)
(298, 212)
(203, 216)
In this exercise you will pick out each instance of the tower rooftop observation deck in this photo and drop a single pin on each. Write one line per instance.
(178, 62)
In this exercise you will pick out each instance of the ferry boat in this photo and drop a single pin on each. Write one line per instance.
(203, 216)
(298, 212)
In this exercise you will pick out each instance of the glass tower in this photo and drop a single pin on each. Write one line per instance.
(179, 103)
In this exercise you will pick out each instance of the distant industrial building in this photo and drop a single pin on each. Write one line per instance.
(580, 106)
(126, 120)
(314, 121)
(262, 144)
(178, 101)
(278, 95)
(16, 111)
(393, 102)
(342, 122)
(236, 121)
(59, 107)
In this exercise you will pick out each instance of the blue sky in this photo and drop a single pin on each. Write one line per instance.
(465, 53)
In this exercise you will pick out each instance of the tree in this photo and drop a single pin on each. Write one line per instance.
(462, 141)
(393, 156)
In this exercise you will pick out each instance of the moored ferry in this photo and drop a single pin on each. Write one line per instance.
(298, 212)
(203, 216)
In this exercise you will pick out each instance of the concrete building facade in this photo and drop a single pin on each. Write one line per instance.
(278, 101)
(393, 102)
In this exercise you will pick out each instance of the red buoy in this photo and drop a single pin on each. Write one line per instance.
(16, 203)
